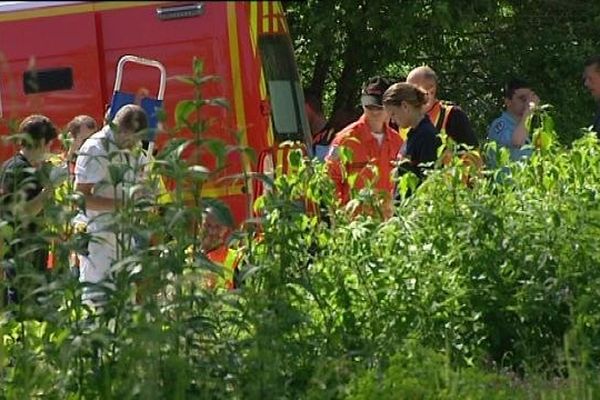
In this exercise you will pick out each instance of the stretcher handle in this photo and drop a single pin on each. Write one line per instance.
(143, 61)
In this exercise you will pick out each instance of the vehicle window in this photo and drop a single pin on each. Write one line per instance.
(47, 80)
(283, 85)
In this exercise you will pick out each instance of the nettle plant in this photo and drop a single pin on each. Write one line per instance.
(494, 271)
(477, 271)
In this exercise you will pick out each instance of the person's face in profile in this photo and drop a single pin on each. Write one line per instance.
(39, 152)
(77, 140)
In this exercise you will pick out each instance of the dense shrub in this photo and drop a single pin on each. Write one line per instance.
(485, 290)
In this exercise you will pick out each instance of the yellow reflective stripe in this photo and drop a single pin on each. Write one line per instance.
(403, 132)
(254, 25)
(263, 97)
(236, 74)
(262, 85)
(280, 16)
(113, 5)
(265, 17)
(437, 117)
(274, 19)
(279, 165)
(164, 196)
(231, 260)
(222, 191)
(448, 109)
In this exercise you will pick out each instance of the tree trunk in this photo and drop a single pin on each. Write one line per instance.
(320, 72)
(346, 90)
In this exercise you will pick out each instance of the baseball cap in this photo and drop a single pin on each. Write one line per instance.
(372, 91)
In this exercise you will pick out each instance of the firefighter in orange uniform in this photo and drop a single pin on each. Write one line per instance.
(372, 143)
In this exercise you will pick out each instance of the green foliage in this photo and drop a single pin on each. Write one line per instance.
(473, 46)
(419, 373)
(485, 290)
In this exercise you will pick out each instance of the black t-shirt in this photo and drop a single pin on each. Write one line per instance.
(420, 147)
(19, 181)
(458, 127)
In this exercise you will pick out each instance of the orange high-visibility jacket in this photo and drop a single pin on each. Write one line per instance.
(366, 152)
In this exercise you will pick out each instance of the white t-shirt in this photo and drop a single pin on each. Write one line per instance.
(92, 166)
(378, 136)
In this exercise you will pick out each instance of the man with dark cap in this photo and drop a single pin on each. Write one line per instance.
(373, 148)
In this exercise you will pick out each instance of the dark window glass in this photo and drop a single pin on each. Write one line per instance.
(47, 80)
(283, 85)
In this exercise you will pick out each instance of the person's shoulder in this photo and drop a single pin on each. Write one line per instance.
(350, 131)
(14, 162)
(95, 142)
(454, 109)
(8, 163)
(498, 124)
(501, 118)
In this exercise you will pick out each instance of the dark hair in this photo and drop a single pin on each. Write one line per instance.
(513, 85)
(37, 127)
(343, 117)
(78, 122)
(131, 118)
(593, 60)
(402, 91)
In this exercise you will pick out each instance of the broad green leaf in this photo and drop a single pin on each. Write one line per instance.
(183, 110)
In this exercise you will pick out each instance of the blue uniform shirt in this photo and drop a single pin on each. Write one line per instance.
(501, 131)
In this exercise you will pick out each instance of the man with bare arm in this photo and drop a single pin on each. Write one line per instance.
(102, 195)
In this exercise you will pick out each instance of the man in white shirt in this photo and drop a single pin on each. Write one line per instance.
(104, 191)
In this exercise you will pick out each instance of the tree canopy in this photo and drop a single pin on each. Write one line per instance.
(473, 46)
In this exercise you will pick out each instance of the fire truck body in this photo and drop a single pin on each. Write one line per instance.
(60, 58)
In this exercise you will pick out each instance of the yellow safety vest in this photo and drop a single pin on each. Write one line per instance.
(438, 114)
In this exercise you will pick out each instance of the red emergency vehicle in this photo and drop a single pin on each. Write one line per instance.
(59, 58)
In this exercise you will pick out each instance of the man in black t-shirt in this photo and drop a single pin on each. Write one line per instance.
(22, 196)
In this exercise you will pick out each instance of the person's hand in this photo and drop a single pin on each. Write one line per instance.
(532, 103)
